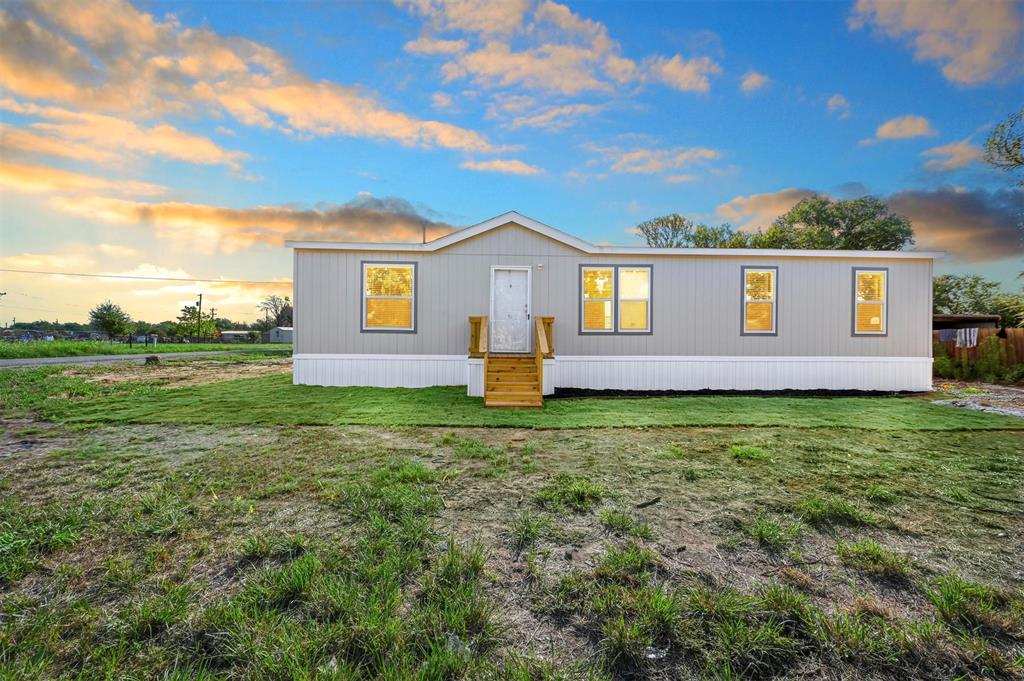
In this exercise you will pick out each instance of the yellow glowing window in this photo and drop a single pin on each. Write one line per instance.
(759, 299)
(388, 296)
(598, 292)
(634, 298)
(870, 301)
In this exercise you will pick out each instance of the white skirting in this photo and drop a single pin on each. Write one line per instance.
(475, 380)
(744, 373)
(627, 373)
(382, 371)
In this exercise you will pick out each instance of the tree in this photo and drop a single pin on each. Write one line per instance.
(962, 294)
(189, 323)
(973, 294)
(1003, 148)
(110, 319)
(814, 223)
(277, 309)
(819, 222)
(676, 231)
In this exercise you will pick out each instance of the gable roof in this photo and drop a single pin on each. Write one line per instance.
(592, 249)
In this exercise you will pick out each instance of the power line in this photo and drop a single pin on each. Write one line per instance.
(132, 276)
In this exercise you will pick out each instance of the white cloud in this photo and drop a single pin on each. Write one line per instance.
(440, 100)
(109, 134)
(48, 262)
(555, 118)
(485, 17)
(557, 51)
(565, 69)
(649, 161)
(839, 105)
(902, 127)
(107, 58)
(428, 45)
(35, 179)
(753, 81)
(974, 41)
(687, 75)
(759, 210)
(953, 156)
(118, 251)
(498, 165)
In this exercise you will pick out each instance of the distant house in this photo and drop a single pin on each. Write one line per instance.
(234, 336)
(280, 334)
(514, 309)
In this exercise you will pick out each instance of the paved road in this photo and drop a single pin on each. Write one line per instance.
(98, 359)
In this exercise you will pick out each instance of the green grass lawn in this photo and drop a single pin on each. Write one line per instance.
(63, 348)
(251, 529)
(273, 400)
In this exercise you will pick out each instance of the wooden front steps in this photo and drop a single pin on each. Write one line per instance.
(512, 381)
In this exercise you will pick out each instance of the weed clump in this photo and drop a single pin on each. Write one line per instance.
(833, 510)
(623, 524)
(870, 557)
(749, 453)
(573, 492)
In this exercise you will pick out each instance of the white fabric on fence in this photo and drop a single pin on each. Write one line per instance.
(966, 338)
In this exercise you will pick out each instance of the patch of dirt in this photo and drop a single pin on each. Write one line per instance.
(176, 375)
(997, 399)
(24, 438)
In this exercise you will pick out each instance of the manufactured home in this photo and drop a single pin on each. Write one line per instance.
(514, 309)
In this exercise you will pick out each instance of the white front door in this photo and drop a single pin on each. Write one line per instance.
(510, 309)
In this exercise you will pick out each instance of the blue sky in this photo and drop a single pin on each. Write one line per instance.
(189, 139)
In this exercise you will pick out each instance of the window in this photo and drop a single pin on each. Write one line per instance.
(870, 301)
(615, 299)
(759, 295)
(389, 291)
(634, 299)
(598, 292)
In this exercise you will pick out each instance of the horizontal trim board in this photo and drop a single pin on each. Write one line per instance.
(682, 373)
(890, 374)
(513, 217)
(399, 358)
(381, 371)
(736, 358)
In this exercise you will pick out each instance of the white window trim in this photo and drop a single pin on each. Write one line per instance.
(364, 298)
(619, 301)
(610, 300)
(773, 331)
(885, 301)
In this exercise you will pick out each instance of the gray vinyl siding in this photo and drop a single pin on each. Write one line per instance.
(695, 309)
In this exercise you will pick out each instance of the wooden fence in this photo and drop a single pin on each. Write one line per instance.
(1012, 345)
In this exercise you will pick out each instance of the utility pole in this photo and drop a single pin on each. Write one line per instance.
(213, 319)
(199, 317)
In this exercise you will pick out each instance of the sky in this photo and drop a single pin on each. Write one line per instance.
(189, 140)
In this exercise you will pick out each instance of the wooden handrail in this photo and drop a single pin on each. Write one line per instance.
(542, 337)
(477, 336)
(540, 349)
(549, 335)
